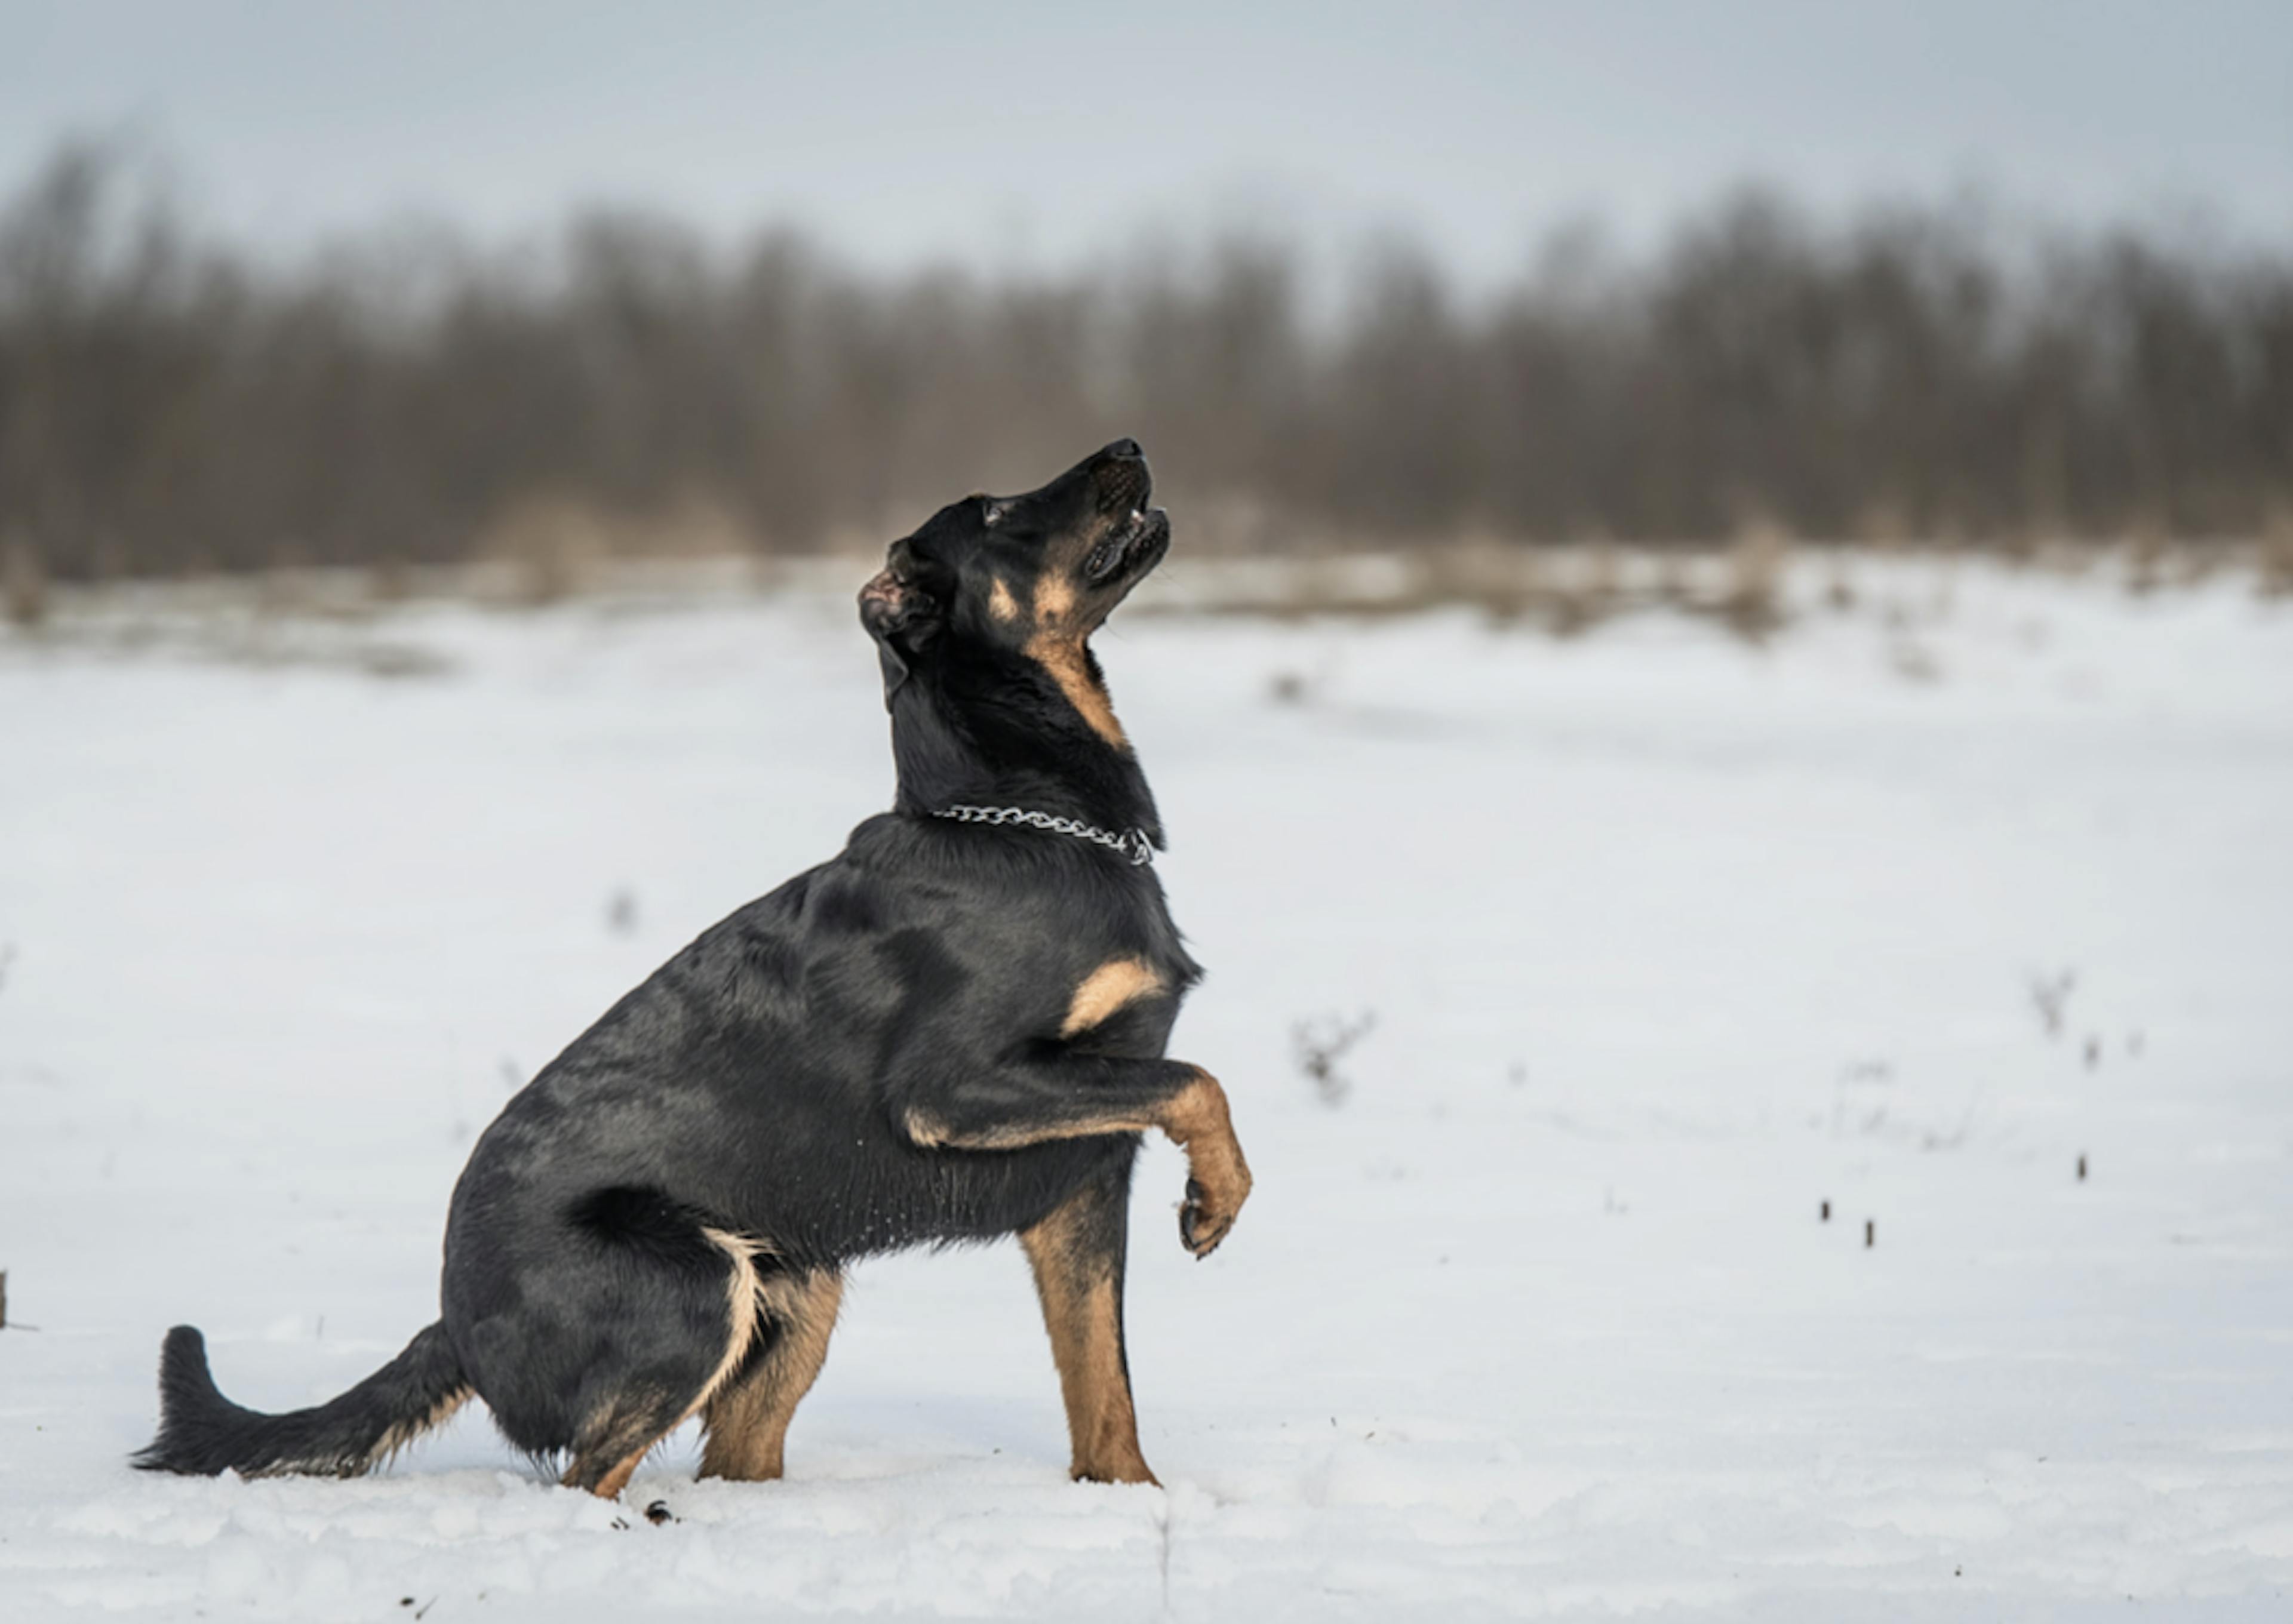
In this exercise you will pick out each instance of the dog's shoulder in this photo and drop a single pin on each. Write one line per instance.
(1044, 927)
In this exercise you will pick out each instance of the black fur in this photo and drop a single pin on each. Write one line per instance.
(767, 1081)
(202, 1431)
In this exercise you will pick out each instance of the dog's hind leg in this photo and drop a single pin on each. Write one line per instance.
(748, 1418)
(618, 1433)
(1077, 1252)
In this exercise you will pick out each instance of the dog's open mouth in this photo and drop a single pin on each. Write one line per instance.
(1130, 549)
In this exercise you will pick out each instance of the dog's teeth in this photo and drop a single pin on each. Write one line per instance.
(1136, 515)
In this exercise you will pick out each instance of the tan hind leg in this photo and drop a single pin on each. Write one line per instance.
(1078, 1257)
(747, 1421)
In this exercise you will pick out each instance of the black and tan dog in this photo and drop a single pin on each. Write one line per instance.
(952, 1032)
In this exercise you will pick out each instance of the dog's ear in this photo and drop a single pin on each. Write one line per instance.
(900, 617)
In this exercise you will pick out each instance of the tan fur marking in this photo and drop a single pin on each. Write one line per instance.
(742, 1291)
(610, 1486)
(1014, 1136)
(1198, 1121)
(1198, 1111)
(1001, 604)
(748, 1424)
(1084, 1318)
(1195, 1118)
(1054, 601)
(1108, 988)
(1057, 647)
(1062, 657)
(405, 1433)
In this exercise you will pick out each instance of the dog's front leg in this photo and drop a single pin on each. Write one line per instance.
(1077, 1254)
(1063, 1094)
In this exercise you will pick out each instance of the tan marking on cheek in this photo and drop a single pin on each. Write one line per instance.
(1108, 988)
(1054, 600)
(1001, 604)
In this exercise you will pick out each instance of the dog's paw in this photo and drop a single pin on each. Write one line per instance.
(1207, 1215)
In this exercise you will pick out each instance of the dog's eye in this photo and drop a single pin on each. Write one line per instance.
(991, 512)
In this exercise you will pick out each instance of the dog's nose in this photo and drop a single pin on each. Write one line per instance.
(1124, 448)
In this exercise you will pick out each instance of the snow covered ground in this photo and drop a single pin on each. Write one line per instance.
(1668, 940)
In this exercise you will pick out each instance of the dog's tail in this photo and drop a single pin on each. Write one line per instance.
(204, 1433)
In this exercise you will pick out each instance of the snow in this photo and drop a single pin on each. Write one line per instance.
(1668, 940)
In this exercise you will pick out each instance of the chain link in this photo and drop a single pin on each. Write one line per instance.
(1132, 844)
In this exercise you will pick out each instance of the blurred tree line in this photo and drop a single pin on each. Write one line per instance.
(168, 404)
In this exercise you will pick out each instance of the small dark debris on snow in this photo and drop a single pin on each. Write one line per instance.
(1870, 1231)
(621, 912)
(2050, 993)
(2093, 1051)
(659, 1513)
(1318, 1044)
(2081, 1167)
(1823, 1213)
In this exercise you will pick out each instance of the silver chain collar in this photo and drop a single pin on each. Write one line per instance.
(1132, 844)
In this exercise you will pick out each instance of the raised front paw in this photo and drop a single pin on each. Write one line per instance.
(1209, 1209)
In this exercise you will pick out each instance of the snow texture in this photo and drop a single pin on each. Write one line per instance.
(1668, 939)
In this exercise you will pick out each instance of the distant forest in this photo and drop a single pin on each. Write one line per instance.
(169, 402)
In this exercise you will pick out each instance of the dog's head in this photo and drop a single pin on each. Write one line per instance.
(1030, 575)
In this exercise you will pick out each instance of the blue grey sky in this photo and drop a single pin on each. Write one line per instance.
(1027, 134)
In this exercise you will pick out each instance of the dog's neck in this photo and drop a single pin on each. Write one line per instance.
(1005, 732)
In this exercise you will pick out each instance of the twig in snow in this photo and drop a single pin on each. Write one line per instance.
(2050, 994)
(20, 1325)
(1319, 1043)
